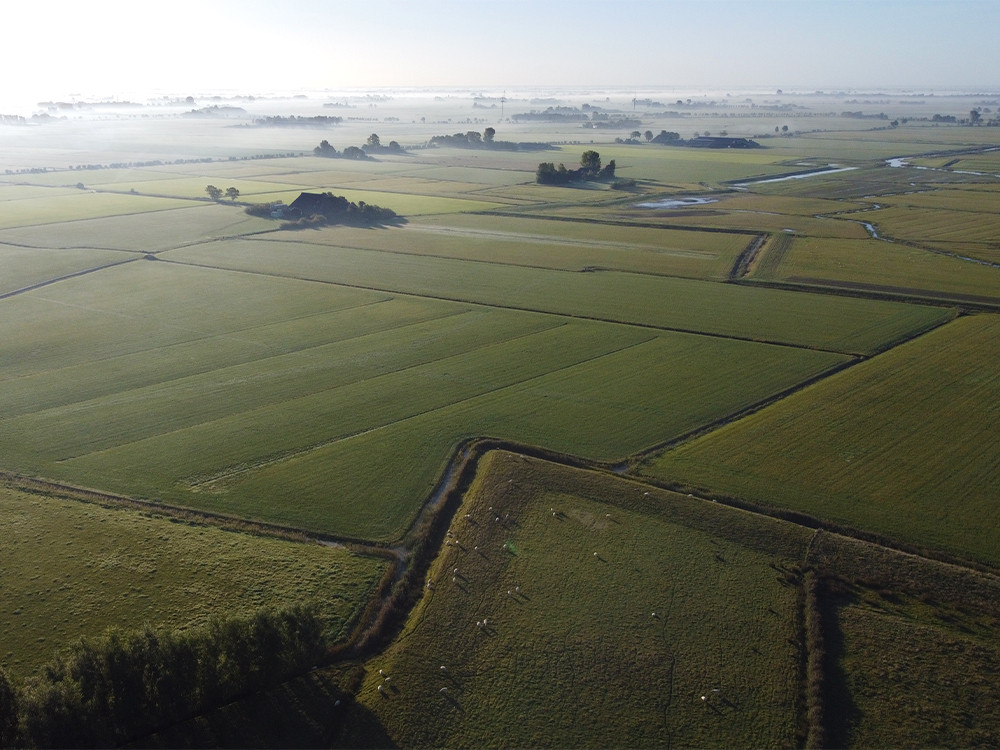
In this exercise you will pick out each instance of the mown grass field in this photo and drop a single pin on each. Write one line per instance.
(845, 325)
(22, 267)
(598, 602)
(904, 445)
(73, 569)
(145, 232)
(250, 384)
(547, 244)
(83, 205)
(876, 265)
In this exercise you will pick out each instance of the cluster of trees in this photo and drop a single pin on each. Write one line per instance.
(372, 145)
(590, 169)
(294, 121)
(216, 193)
(471, 139)
(485, 140)
(663, 137)
(124, 686)
(314, 210)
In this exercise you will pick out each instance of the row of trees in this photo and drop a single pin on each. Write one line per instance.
(471, 139)
(216, 193)
(590, 169)
(371, 146)
(125, 686)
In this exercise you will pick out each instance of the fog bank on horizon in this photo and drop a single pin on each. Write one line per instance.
(112, 49)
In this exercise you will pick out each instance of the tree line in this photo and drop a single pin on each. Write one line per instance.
(373, 145)
(113, 690)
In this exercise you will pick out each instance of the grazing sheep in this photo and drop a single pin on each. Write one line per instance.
(444, 668)
(443, 690)
(381, 673)
(380, 688)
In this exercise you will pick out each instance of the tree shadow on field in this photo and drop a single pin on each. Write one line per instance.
(841, 712)
(312, 711)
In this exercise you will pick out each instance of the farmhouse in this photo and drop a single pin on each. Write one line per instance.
(308, 204)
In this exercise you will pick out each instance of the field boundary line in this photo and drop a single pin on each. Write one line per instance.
(276, 459)
(504, 264)
(540, 311)
(877, 293)
(76, 274)
(616, 222)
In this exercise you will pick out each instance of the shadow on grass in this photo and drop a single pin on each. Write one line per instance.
(841, 713)
(313, 711)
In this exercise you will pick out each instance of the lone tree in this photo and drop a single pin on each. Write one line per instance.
(591, 161)
(374, 141)
(213, 192)
(488, 135)
(232, 193)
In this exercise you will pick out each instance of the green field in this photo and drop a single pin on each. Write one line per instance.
(878, 266)
(74, 569)
(257, 406)
(821, 347)
(844, 325)
(904, 445)
(597, 607)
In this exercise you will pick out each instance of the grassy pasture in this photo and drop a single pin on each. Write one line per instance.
(879, 265)
(194, 187)
(482, 176)
(21, 267)
(603, 408)
(144, 305)
(846, 325)
(12, 194)
(742, 219)
(296, 347)
(546, 244)
(73, 569)
(68, 178)
(904, 445)
(82, 205)
(975, 199)
(575, 657)
(689, 168)
(142, 232)
(940, 225)
(899, 695)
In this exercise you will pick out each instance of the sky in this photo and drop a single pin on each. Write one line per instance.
(105, 48)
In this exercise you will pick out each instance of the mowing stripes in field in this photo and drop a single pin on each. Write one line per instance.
(605, 407)
(846, 325)
(905, 444)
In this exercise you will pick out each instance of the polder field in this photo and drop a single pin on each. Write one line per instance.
(660, 463)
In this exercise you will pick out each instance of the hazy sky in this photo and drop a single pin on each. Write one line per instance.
(112, 47)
